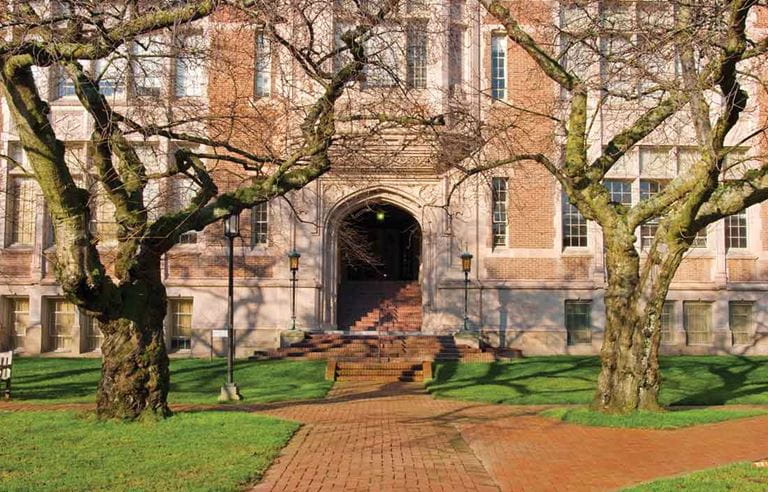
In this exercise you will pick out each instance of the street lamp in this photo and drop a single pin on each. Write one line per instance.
(230, 391)
(466, 267)
(293, 261)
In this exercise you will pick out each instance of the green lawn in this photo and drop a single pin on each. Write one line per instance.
(650, 420)
(687, 380)
(191, 451)
(742, 477)
(42, 380)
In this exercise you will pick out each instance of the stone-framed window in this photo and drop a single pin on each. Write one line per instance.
(184, 190)
(180, 324)
(575, 232)
(148, 67)
(17, 320)
(60, 324)
(736, 231)
(262, 84)
(416, 54)
(740, 316)
(648, 189)
(110, 75)
(578, 321)
(20, 211)
(189, 67)
(667, 321)
(498, 66)
(92, 334)
(499, 197)
(455, 58)
(620, 190)
(103, 223)
(260, 224)
(697, 317)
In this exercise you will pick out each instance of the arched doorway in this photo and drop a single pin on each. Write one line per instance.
(379, 260)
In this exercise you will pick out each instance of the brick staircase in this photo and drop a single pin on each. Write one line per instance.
(380, 372)
(382, 358)
(380, 306)
(385, 348)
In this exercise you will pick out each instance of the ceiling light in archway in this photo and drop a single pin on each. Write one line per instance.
(380, 215)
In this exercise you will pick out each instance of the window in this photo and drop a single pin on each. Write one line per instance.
(260, 224)
(382, 51)
(110, 75)
(648, 189)
(736, 230)
(498, 66)
(697, 317)
(20, 212)
(189, 68)
(574, 225)
(103, 224)
(700, 240)
(417, 56)
(65, 87)
(578, 321)
(147, 67)
(667, 321)
(61, 324)
(184, 191)
(181, 324)
(621, 191)
(17, 320)
(92, 333)
(740, 321)
(263, 66)
(499, 219)
(455, 58)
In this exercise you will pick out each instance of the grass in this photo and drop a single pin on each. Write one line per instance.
(650, 420)
(43, 380)
(192, 451)
(742, 477)
(687, 380)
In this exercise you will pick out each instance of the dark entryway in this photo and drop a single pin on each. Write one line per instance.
(379, 260)
(380, 243)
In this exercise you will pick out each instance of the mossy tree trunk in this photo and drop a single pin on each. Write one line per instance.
(135, 376)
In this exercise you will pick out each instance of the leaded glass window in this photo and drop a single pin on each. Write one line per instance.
(578, 321)
(697, 316)
(740, 320)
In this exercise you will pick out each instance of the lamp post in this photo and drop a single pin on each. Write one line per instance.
(230, 391)
(293, 261)
(466, 267)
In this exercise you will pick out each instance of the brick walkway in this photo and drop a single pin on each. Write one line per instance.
(397, 437)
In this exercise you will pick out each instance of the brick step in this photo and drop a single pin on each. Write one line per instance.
(341, 373)
(393, 366)
(381, 379)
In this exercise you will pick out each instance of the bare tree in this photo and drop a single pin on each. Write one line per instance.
(262, 150)
(662, 68)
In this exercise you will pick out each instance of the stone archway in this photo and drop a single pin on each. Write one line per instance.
(389, 222)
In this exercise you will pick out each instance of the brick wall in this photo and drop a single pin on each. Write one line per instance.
(193, 265)
(742, 270)
(694, 270)
(15, 263)
(567, 268)
(531, 208)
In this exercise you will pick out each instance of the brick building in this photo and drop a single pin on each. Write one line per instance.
(538, 274)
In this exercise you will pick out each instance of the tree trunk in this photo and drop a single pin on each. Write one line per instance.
(629, 379)
(134, 375)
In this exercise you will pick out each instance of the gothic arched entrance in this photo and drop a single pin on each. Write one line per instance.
(379, 259)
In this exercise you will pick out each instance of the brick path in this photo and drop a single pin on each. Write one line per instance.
(396, 437)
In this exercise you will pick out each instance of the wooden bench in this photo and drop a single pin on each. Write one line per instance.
(6, 363)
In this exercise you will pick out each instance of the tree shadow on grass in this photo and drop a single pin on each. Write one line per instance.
(738, 378)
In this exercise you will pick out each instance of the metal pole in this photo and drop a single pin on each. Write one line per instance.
(230, 316)
(293, 300)
(466, 300)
